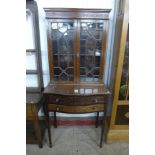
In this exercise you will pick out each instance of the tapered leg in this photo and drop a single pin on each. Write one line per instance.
(47, 122)
(97, 119)
(49, 131)
(103, 125)
(55, 119)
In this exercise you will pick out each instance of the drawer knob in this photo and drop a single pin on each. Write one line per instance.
(93, 108)
(57, 100)
(57, 108)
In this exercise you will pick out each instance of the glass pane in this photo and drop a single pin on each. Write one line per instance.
(97, 61)
(32, 80)
(69, 71)
(63, 49)
(122, 115)
(90, 49)
(30, 37)
(62, 38)
(82, 61)
(31, 61)
(55, 60)
(124, 86)
(63, 61)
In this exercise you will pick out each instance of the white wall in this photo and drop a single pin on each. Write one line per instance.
(102, 4)
(43, 46)
(77, 3)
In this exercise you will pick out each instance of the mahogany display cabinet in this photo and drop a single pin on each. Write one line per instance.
(77, 53)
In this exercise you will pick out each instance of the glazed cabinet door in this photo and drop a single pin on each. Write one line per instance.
(92, 39)
(62, 49)
(77, 49)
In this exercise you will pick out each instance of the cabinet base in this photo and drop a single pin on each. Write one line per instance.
(117, 136)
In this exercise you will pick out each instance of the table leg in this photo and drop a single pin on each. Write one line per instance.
(55, 119)
(103, 125)
(47, 122)
(49, 131)
(97, 119)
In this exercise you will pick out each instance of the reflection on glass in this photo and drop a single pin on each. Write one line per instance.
(95, 90)
(97, 53)
(31, 63)
(54, 26)
(31, 80)
(81, 90)
(63, 28)
(60, 25)
(88, 91)
(30, 37)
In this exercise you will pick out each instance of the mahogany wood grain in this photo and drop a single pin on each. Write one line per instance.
(82, 89)
(75, 100)
(76, 96)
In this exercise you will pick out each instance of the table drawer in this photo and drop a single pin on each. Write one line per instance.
(75, 109)
(75, 100)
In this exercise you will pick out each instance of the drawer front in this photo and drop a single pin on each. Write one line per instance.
(75, 100)
(76, 109)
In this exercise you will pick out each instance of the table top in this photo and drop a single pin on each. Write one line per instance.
(70, 88)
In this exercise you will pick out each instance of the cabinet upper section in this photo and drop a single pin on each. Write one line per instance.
(77, 44)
